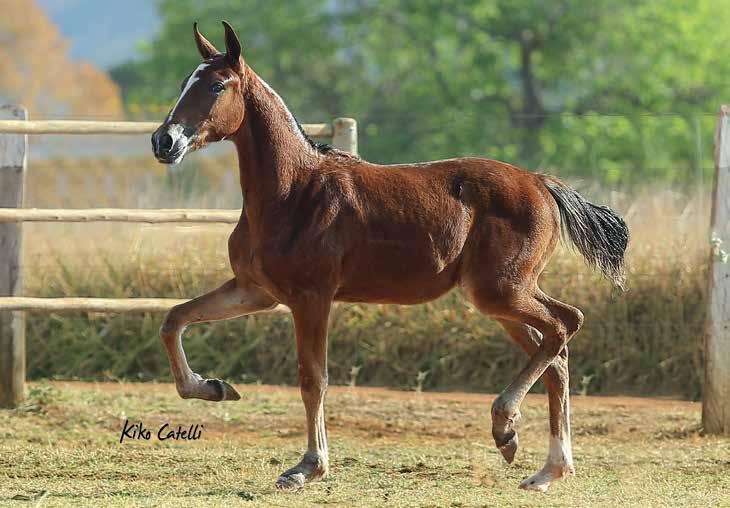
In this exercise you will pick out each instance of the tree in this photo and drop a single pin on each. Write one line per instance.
(35, 69)
(612, 89)
(289, 44)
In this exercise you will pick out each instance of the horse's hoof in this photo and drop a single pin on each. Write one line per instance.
(549, 474)
(223, 389)
(291, 482)
(311, 468)
(509, 448)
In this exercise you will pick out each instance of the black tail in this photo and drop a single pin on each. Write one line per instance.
(598, 233)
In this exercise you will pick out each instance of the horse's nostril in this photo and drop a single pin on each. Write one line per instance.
(165, 144)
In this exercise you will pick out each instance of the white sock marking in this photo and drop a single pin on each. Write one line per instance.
(559, 452)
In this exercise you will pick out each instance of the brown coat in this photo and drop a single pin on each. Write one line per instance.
(320, 225)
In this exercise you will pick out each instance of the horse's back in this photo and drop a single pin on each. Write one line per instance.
(418, 223)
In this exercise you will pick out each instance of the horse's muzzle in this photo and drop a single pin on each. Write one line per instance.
(170, 143)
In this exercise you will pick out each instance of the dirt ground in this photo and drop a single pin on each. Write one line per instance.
(387, 447)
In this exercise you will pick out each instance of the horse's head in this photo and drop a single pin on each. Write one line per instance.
(210, 107)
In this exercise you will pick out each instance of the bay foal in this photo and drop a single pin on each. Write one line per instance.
(319, 225)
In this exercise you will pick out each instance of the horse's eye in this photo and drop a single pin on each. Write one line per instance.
(217, 87)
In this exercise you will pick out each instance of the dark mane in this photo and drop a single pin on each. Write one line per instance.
(323, 148)
(320, 147)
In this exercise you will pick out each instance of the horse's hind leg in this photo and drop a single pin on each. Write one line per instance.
(231, 300)
(557, 322)
(556, 378)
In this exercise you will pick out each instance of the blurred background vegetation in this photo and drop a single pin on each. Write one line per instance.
(614, 90)
(619, 98)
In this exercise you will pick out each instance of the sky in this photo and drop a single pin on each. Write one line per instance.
(104, 36)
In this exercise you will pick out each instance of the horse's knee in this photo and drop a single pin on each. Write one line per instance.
(312, 383)
(172, 323)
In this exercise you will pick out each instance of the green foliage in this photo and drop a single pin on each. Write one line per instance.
(284, 41)
(579, 88)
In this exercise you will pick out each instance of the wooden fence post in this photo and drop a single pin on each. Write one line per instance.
(13, 150)
(716, 401)
(344, 136)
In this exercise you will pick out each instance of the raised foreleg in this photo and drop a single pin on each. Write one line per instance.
(232, 299)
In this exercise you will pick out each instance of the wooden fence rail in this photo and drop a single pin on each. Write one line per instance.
(114, 305)
(14, 131)
(315, 130)
(158, 216)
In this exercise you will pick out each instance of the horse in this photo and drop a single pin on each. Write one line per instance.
(320, 225)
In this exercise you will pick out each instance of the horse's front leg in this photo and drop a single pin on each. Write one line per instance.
(231, 300)
(310, 320)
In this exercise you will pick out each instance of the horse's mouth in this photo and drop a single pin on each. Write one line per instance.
(170, 143)
(174, 157)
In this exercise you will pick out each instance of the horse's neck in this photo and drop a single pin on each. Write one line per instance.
(272, 152)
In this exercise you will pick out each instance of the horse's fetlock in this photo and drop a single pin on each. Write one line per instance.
(503, 411)
(185, 391)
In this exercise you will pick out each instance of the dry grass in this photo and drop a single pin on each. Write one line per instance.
(387, 449)
(646, 341)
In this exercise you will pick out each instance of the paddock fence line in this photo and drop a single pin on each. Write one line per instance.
(316, 130)
(14, 133)
(160, 216)
(716, 392)
(116, 305)
(14, 130)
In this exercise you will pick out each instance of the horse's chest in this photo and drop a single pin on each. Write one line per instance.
(282, 268)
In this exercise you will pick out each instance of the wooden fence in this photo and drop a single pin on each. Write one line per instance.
(14, 131)
(13, 153)
(716, 402)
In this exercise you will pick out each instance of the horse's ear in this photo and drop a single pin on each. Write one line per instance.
(206, 49)
(233, 48)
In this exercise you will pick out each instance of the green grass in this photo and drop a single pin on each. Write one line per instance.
(387, 449)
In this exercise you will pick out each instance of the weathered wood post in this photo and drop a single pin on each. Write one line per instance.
(344, 134)
(13, 150)
(716, 403)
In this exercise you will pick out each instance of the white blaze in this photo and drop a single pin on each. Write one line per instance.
(191, 81)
